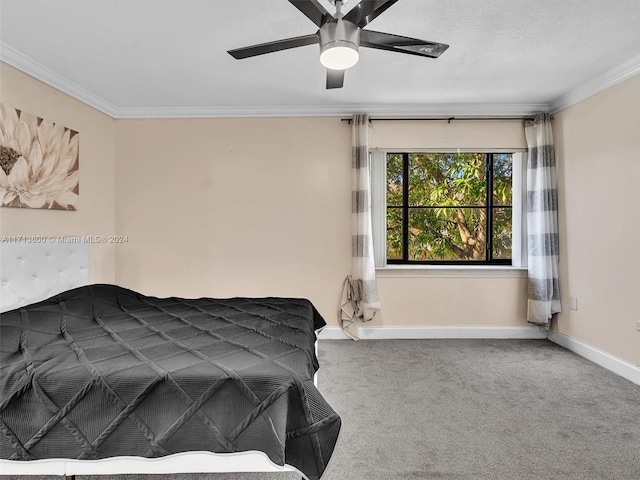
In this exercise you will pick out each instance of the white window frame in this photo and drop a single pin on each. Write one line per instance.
(378, 167)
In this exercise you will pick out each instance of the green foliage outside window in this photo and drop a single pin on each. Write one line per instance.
(447, 206)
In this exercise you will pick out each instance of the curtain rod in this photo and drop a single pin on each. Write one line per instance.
(439, 119)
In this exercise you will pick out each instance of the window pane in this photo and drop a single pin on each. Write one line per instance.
(502, 178)
(394, 233)
(447, 179)
(447, 234)
(502, 228)
(394, 179)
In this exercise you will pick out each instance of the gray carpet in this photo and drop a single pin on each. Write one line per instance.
(470, 410)
(478, 409)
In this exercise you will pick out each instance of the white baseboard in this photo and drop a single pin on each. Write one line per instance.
(432, 332)
(616, 365)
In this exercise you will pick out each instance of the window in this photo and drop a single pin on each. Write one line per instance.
(449, 208)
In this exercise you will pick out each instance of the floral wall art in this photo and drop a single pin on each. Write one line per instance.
(38, 162)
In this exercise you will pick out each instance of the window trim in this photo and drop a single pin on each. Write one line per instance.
(448, 271)
(377, 162)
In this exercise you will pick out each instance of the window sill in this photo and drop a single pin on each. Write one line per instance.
(460, 271)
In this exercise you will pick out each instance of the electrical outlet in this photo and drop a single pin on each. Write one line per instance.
(573, 303)
(638, 325)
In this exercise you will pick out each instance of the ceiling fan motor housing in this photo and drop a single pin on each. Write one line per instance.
(340, 35)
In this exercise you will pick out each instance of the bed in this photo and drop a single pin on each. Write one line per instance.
(99, 379)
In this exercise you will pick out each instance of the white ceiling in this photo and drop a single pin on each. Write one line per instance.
(168, 57)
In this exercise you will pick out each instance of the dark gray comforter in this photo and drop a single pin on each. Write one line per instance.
(102, 371)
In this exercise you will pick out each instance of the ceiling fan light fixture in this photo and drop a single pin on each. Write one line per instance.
(339, 55)
(339, 42)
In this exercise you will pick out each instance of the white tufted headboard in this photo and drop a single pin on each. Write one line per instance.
(30, 272)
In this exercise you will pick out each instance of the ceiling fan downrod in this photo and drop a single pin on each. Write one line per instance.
(338, 4)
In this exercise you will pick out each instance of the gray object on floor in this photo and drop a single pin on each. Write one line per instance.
(470, 410)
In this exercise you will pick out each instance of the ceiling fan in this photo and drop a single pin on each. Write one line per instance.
(341, 35)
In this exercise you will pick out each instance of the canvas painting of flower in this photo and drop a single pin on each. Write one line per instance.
(38, 162)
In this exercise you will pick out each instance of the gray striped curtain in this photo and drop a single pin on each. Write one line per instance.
(359, 291)
(542, 221)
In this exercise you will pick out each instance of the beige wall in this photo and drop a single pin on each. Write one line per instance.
(442, 134)
(224, 207)
(96, 213)
(598, 150)
(490, 299)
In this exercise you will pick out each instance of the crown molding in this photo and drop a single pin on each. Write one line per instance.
(450, 109)
(15, 58)
(596, 85)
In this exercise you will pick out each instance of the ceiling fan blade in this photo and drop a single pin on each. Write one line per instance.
(365, 11)
(312, 10)
(276, 46)
(335, 78)
(397, 43)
